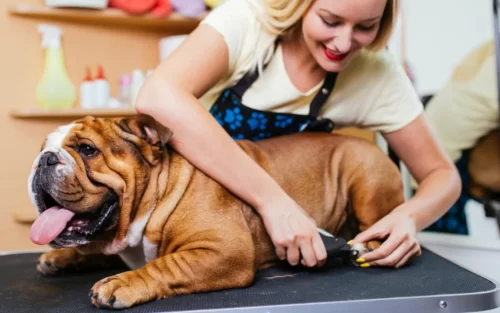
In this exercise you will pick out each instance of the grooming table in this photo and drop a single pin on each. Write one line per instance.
(430, 284)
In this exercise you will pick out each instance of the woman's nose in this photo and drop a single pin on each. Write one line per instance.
(343, 40)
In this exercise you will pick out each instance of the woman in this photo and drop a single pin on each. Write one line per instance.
(208, 92)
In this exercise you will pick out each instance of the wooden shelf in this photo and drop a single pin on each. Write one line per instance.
(35, 113)
(175, 23)
(25, 217)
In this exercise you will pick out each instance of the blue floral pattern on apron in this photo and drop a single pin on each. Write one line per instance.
(243, 122)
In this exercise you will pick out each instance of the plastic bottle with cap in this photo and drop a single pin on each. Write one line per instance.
(55, 89)
(137, 82)
(102, 89)
(125, 84)
(87, 91)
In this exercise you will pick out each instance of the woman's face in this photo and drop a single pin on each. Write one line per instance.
(334, 30)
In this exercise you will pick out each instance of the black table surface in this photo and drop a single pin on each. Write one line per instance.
(22, 289)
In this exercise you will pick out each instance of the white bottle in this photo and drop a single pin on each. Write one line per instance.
(102, 89)
(87, 91)
(137, 82)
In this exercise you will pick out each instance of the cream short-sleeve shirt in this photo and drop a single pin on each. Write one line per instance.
(373, 92)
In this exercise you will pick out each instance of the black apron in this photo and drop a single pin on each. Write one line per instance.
(242, 122)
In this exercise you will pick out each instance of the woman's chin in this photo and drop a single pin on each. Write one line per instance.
(333, 66)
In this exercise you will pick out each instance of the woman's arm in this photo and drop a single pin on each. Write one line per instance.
(439, 188)
(438, 178)
(170, 96)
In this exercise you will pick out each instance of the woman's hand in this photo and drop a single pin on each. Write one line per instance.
(401, 244)
(293, 233)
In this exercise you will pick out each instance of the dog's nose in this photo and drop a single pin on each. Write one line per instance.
(49, 159)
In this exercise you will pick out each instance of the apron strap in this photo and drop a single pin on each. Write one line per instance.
(323, 94)
(246, 81)
(319, 100)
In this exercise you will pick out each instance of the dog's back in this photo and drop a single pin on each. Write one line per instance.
(336, 179)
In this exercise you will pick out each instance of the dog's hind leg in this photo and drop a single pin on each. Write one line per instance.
(376, 188)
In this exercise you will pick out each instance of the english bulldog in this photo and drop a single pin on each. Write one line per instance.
(113, 188)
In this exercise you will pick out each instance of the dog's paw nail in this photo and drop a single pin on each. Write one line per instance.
(111, 300)
(365, 265)
(47, 263)
(91, 293)
(95, 295)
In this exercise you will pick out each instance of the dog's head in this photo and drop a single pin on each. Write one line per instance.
(89, 178)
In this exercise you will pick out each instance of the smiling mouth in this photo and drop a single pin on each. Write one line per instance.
(62, 227)
(330, 54)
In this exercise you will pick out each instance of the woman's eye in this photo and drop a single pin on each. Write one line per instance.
(366, 28)
(330, 24)
(87, 150)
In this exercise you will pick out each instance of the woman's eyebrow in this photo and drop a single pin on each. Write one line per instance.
(340, 17)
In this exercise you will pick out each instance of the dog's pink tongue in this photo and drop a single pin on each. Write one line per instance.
(49, 225)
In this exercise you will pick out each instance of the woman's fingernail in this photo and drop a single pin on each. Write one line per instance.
(361, 260)
(349, 242)
(365, 265)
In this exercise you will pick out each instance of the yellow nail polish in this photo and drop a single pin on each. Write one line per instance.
(361, 260)
(365, 265)
(349, 242)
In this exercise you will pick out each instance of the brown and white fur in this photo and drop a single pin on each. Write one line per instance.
(177, 229)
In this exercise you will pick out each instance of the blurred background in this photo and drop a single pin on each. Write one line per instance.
(448, 48)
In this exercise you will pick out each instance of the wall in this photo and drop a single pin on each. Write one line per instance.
(438, 34)
(21, 67)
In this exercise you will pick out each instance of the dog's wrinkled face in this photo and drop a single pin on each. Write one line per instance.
(85, 179)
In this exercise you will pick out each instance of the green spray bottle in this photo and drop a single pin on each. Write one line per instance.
(55, 89)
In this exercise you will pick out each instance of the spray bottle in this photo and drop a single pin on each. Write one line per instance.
(55, 89)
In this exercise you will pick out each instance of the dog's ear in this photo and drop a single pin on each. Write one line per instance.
(153, 132)
(148, 129)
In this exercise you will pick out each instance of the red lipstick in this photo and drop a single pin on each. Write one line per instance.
(334, 57)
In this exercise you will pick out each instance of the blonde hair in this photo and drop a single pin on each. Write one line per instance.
(283, 18)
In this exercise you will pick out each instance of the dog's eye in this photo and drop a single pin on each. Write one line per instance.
(87, 150)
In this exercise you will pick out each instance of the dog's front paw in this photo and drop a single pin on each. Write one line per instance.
(58, 261)
(360, 249)
(119, 291)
